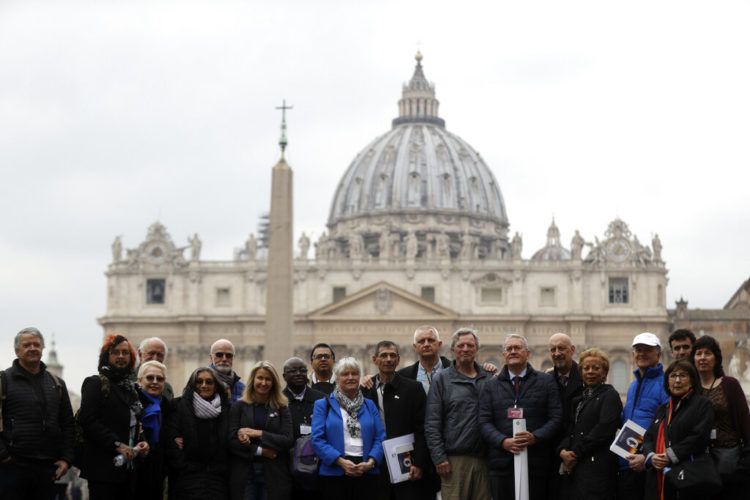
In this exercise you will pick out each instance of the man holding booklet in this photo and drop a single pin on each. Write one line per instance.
(401, 402)
(645, 394)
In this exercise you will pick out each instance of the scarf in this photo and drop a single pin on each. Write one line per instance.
(588, 393)
(352, 407)
(151, 418)
(206, 409)
(121, 379)
(661, 440)
(226, 378)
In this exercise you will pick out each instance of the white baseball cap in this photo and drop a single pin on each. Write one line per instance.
(647, 338)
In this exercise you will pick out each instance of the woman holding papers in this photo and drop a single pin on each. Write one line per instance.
(680, 432)
(590, 468)
(731, 425)
(347, 435)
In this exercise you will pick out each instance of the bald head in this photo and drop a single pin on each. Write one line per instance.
(561, 351)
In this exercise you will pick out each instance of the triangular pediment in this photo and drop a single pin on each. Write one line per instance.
(383, 301)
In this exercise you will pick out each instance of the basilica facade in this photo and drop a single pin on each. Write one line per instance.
(418, 233)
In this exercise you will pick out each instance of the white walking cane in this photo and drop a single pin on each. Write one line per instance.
(521, 464)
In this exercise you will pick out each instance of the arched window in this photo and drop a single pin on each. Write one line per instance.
(618, 375)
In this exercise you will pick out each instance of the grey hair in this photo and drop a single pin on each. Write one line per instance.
(346, 363)
(292, 360)
(516, 336)
(151, 340)
(149, 364)
(29, 330)
(426, 328)
(222, 340)
(464, 331)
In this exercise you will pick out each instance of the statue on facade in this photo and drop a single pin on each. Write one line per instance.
(443, 245)
(656, 245)
(412, 246)
(355, 246)
(117, 250)
(395, 244)
(321, 247)
(576, 246)
(195, 247)
(516, 246)
(383, 246)
(642, 254)
(596, 252)
(251, 247)
(304, 246)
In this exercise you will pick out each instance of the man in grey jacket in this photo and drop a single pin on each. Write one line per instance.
(451, 426)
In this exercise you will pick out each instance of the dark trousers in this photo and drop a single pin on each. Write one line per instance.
(631, 485)
(99, 490)
(407, 490)
(31, 480)
(350, 488)
(504, 487)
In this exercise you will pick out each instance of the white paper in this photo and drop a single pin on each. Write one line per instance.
(521, 464)
(398, 453)
(628, 439)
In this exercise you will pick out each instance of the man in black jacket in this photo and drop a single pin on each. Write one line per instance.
(427, 345)
(36, 444)
(519, 392)
(402, 405)
(301, 403)
(570, 386)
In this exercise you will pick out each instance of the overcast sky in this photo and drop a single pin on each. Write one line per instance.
(114, 114)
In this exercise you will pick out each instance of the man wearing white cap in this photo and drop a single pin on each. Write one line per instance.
(645, 394)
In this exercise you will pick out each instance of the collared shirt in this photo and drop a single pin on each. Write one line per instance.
(300, 396)
(314, 379)
(426, 378)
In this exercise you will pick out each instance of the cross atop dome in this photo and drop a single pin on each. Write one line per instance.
(418, 103)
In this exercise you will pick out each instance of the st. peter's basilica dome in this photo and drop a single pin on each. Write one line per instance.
(418, 172)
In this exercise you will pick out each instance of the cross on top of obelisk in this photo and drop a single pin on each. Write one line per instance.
(283, 141)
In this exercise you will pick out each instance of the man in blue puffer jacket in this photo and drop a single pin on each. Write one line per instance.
(645, 394)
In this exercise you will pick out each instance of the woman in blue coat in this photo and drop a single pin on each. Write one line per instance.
(347, 435)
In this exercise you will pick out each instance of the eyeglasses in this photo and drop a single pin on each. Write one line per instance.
(680, 375)
(322, 357)
(204, 381)
(154, 378)
(514, 348)
(290, 371)
(227, 355)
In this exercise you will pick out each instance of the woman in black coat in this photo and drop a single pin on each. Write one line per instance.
(589, 466)
(152, 376)
(680, 431)
(110, 420)
(260, 435)
(197, 439)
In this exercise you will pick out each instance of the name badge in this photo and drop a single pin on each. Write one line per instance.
(514, 413)
(713, 433)
(304, 430)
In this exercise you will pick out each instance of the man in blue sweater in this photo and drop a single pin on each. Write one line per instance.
(645, 394)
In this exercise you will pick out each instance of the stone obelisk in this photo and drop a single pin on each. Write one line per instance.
(279, 296)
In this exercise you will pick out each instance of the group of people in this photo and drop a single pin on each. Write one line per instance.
(225, 438)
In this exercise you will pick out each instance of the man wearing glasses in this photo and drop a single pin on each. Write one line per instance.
(645, 394)
(520, 392)
(222, 357)
(322, 359)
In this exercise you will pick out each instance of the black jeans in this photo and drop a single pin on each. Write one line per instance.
(27, 480)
